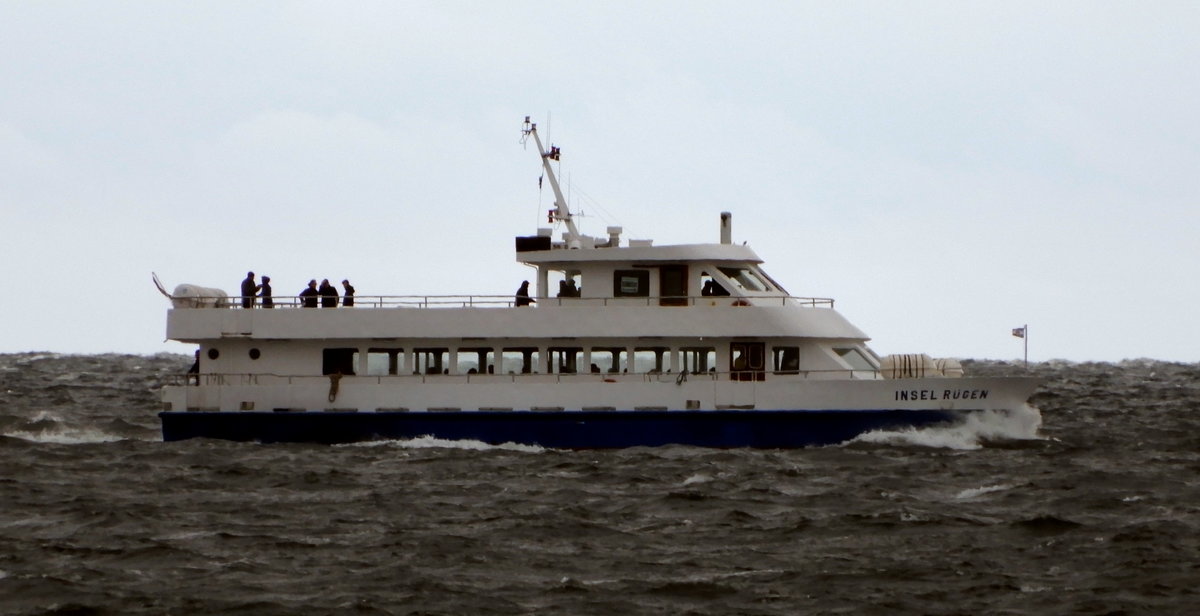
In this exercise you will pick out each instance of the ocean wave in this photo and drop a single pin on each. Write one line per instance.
(52, 428)
(1089, 513)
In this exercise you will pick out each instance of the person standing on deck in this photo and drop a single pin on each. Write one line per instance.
(348, 297)
(329, 295)
(249, 290)
(267, 300)
(308, 297)
(523, 298)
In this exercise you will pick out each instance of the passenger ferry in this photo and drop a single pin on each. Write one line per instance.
(620, 343)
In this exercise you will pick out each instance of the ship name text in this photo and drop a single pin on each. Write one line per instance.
(903, 395)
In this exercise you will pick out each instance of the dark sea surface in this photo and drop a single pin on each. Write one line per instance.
(1095, 512)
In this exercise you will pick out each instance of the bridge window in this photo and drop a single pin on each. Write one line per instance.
(856, 359)
(745, 278)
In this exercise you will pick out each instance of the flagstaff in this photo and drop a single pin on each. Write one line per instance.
(1022, 332)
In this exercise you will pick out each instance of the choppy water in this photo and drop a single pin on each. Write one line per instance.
(1096, 513)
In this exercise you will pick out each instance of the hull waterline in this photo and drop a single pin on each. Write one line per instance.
(555, 429)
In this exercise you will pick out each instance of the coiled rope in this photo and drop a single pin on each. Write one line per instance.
(334, 380)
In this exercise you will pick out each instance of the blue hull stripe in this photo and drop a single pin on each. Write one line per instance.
(556, 429)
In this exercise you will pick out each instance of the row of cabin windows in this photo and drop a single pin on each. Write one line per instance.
(517, 360)
(570, 360)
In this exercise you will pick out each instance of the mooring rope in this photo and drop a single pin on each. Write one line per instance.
(334, 380)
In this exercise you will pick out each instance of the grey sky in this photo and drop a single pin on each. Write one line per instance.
(945, 171)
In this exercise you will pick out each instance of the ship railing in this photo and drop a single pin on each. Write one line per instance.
(268, 379)
(691, 300)
(372, 301)
(508, 301)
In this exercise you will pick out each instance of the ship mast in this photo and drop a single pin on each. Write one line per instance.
(560, 212)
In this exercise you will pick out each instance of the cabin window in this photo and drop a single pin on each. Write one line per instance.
(213, 353)
(566, 360)
(520, 360)
(745, 278)
(255, 353)
(699, 359)
(431, 361)
(338, 361)
(855, 358)
(381, 361)
(648, 359)
(631, 283)
(786, 360)
(480, 360)
(609, 360)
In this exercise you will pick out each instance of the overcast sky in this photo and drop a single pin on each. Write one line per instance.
(945, 171)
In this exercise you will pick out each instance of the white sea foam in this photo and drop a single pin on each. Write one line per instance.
(1001, 425)
(50, 427)
(697, 478)
(66, 435)
(55, 431)
(977, 492)
(429, 442)
(46, 416)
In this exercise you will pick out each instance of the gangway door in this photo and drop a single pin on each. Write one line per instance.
(747, 361)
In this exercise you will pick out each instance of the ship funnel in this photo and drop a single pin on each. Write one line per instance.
(726, 228)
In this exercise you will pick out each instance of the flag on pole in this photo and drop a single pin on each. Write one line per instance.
(1019, 332)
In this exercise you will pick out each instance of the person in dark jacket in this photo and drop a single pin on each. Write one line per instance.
(308, 297)
(348, 297)
(267, 300)
(329, 295)
(249, 290)
(523, 298)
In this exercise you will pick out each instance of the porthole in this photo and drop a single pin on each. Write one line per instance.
(213, 353)
(255, 354)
